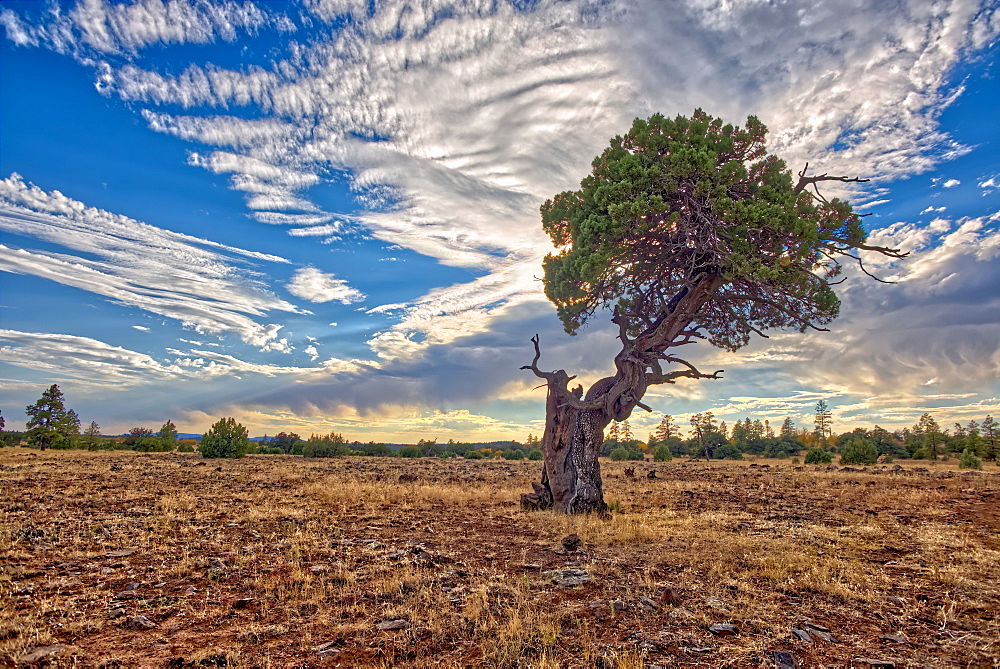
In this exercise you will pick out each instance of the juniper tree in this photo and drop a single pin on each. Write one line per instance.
(687, 230)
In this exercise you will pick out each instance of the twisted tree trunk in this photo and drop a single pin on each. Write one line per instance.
(574, 424)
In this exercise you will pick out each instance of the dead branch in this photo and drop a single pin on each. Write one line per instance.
(806, 181)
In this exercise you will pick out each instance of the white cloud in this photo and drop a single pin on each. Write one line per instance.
(311, 284)
(933, 210)
(137, 264)
(990, 185)
(141, 328)
(951, 183)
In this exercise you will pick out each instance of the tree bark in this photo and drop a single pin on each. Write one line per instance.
(574, 425)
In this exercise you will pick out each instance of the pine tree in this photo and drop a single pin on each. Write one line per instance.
(823, 428)
(168, 436)
(225, 439)
(990, 433)
(49, 422)
(787, 429)
(92, 436)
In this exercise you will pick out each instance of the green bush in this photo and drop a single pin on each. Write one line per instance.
(270, 450)
(923, 453)
(727, 452)
(968, 460)
(474, 454)
(535, 454)
(513, 454)
(662, 454)
(859, 452)
(411, 451)
(225, 439)
(819, 456)
(620, 454)
(185, 448)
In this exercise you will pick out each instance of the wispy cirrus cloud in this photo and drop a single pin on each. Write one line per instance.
(197, 282)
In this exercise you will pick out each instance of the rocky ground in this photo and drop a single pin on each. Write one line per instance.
(125, 559)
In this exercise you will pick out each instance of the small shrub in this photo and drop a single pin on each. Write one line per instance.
(474, 454)
(662, 454)
(185, 448)
(818, 456)
(859, 452)
(535, 454)
(411, 451)
(620, 454)
(513, 454)
(225, 439)
(968, 460)
(270, 450)
(727, 452)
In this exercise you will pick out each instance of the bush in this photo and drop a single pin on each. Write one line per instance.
(225, 439)
(818, 456)
(411, 451)
(923, 453)
(513, 454)
(727, 452)
(474, 454)
(968, 460)
(620, 454)
(185, 448)
(662, 454)
(271, 450)
(535, 454)
(859, 452)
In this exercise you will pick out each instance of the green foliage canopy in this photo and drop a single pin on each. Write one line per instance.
(49, 422)
(225, 439)
(676, 201)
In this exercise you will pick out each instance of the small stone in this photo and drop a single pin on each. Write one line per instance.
(318, 568)
(896, 601)
(571, 542)
(116, 613)
(817, 627)
(39, 653)
(139, 623)
(802, 635)
(567, 577)
(715, 603)
(388, 625)
(671, 596)
(408, 478)
(783, 659)
(647, 604)
(618, 605)
(190, 590)
(531, 567)
(880, 664)
(681, 612)
(124, 552)
(825, 636)
(647, 646)
(723, 629)
(243, 602)
(107, 570)
(893, 638)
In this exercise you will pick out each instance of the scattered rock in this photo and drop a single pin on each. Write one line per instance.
(715, 603)
(647, 646)
(651, 474)
(821, 632)
(896, 601)
(647, 604)
(881, 664)
(124, 552)
(243, 602)
(681, 612)
(567, 577)
(408, 478)
(802, 635)
(723, 629)
(116, 613)
(531, 567)
(39, 653)
(618, 605)
(571, 543)
(139, 623)
(893, 638)
(329, 649)
(671, 596)
(783, 659)
(389, 625)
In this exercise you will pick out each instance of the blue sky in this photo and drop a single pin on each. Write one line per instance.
(323, 215)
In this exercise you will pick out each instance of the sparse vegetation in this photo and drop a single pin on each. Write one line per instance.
(227, 568)
(225, 439)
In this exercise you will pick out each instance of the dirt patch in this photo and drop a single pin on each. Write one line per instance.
(126, 559)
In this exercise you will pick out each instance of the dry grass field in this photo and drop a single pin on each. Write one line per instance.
(168, 560)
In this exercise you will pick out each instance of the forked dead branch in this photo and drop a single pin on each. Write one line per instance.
(688, 230)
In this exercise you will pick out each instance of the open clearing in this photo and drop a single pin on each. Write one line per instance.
(123, 559)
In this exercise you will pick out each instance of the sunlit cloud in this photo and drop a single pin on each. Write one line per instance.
(311, 284)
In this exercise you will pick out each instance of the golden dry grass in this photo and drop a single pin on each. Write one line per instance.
(259, 562)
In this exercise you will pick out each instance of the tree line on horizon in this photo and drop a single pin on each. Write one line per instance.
(51, 425)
